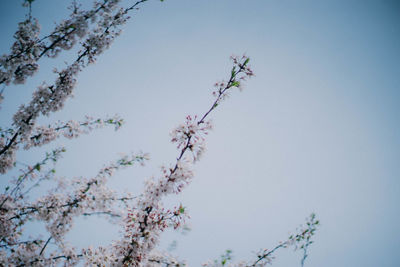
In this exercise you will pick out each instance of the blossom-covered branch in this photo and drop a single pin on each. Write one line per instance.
(50, 98)
(57, 209)
(162, 259)
(31, 172)
(300, 241)
(42, 135)
(143, 226)
(28, 48)
(142, 217)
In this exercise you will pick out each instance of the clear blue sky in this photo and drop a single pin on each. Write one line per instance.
(317, 129)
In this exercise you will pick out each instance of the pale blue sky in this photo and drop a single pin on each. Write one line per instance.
(317, 129)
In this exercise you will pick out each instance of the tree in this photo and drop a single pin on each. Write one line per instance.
(143, 217)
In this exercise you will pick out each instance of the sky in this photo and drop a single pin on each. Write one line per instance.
(316, 130)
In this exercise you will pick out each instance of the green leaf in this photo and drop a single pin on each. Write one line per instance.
(236, 83)
(181, 210)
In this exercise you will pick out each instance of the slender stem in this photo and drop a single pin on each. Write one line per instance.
(54, 258)
(269, 253)
(45, 245)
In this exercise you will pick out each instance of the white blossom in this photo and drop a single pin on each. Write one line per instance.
(143, 218)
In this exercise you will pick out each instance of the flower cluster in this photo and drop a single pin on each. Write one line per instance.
(7, 158)
(158, 258)
(148, 219)
(57, 210)
(191, 134)
(22, 60)
(50, 98)
(28, 48)
(42, 135)
(242, 63)
(240, 72)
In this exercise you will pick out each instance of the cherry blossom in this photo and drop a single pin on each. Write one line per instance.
(50, 98)
(142, 218)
